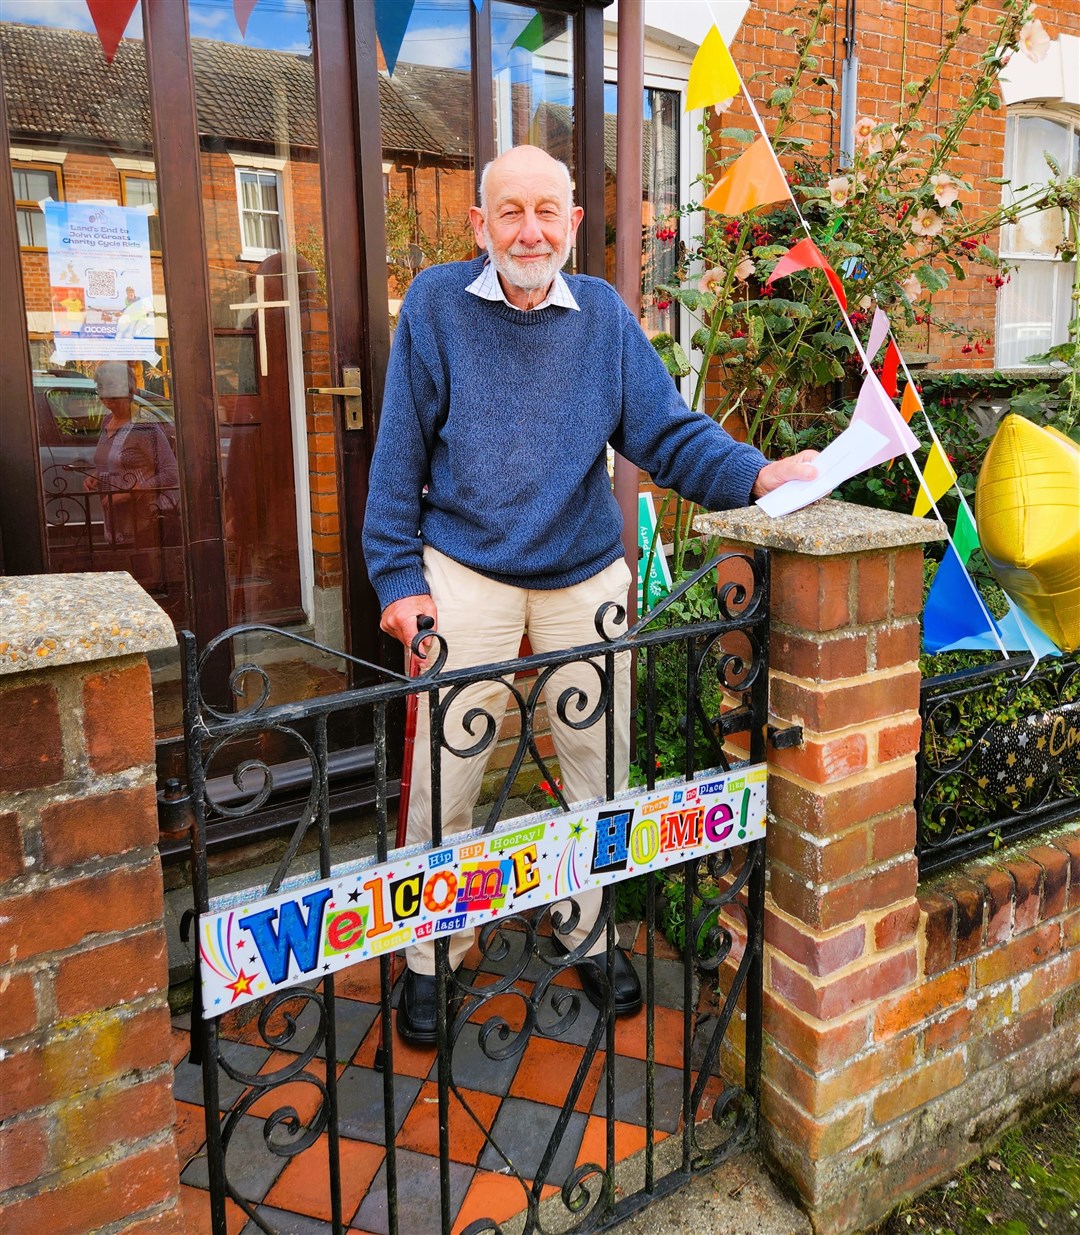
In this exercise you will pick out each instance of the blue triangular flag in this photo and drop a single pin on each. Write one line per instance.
(478, 4)
(953, 615)
(391, 22)
(1014, 626)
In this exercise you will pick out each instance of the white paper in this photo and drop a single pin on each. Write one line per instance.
(844, 457)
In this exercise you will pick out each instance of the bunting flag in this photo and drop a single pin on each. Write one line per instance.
(478, 5)
(541, 29)
(879, 328)
(890, 367)
(937, 479)
(1015, 632)
(910, 403)
(110, 18)
(807, 256)
(242, 13)
(754, 179)
(954, 610)
(965, 538)
(875, 408)
(713, 75)
(391, 22)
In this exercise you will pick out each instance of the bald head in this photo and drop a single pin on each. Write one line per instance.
(524, 162)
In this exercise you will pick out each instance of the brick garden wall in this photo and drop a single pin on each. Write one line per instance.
(905, 1025)
(86, 1106)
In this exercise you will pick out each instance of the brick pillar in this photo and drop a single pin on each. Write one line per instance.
(842, 915)
(86, 1107)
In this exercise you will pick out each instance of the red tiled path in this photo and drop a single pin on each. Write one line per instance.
(542, 1077)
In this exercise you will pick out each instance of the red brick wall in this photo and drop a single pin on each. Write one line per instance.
(897, 42)
(890, 1007)
(86, 1106)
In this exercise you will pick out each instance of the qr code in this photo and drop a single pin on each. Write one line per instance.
(101, 284)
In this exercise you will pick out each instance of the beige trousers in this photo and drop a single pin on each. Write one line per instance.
(482, 622)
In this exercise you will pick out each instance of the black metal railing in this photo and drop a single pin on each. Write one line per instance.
(1000, 756)
(517, 992)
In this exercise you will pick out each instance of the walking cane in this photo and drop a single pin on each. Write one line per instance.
(423, 622)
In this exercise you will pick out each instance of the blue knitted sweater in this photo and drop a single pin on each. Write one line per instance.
(505, 417)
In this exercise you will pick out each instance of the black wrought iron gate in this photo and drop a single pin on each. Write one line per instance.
(270, 1095)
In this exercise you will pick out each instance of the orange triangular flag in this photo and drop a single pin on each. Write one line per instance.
(713, 75)
(805, 256)
(909, 404)
(754, 179)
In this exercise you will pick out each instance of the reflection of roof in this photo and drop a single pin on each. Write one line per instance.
(59, 87)
(555, 122)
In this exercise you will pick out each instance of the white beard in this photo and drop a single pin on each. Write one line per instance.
(529, 276)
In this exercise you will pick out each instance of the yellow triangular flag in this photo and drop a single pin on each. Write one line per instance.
(909, 403)
(713, 75)
(938, 476)
(754, 179)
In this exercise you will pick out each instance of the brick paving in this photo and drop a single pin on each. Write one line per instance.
(517, 1099)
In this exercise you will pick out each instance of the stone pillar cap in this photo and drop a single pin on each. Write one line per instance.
(48, 620)
(824, 529)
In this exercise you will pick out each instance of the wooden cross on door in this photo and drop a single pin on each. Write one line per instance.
(260, 306)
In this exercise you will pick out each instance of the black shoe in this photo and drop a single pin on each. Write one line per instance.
(417, 1009)
(593, 972)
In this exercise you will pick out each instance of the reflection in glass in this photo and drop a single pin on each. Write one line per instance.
(428, 151)
(96, 329)
(659, 206)
(1034, 305)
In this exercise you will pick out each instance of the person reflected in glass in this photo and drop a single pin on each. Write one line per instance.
(134, 468)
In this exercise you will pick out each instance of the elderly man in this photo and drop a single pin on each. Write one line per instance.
(491, 511)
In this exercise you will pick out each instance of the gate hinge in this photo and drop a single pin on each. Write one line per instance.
(785, 739)
(174, 809)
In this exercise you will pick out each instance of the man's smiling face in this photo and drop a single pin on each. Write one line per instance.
(528, 226)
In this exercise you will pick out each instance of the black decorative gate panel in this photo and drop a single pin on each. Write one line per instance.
(535, 1111)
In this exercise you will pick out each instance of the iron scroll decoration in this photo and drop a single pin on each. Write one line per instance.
(493, 1005)
(984, 784)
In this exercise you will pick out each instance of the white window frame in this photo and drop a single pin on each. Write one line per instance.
(247, 252)
(1068, 117)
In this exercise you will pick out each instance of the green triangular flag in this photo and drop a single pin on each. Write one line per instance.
(532, 37)
(965, 537)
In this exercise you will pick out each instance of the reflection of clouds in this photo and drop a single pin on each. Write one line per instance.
(65, 14)
(274, 25)
(205, 19)
(439, 46)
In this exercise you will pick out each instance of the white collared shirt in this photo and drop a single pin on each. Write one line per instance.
(487, 286)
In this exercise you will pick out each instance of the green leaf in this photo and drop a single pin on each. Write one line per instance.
(986, 254)
(740, 135)
(933, 280)
(780, 96)
(822, 111)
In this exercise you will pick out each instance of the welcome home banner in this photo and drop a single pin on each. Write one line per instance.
(248, 949)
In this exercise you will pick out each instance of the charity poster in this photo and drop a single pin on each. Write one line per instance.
(251, 947)
(100, 282)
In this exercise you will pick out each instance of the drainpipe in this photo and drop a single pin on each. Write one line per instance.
(628, 141)
(849, 89)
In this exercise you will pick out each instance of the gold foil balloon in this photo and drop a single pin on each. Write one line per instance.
(1027, 508)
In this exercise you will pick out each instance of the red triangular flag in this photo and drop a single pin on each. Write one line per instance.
(805, 256)
(242, 12)
(110, 18)
(890, 366)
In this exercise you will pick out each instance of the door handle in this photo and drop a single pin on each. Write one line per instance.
(351, 392)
